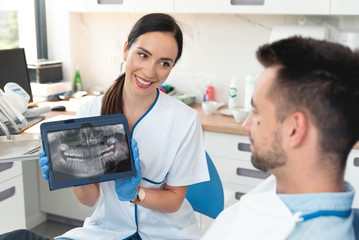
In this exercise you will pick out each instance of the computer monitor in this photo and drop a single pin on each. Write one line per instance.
(13, 68)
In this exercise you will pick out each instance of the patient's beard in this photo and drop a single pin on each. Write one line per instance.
(271, 159)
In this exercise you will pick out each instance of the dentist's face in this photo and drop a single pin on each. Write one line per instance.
(149, 61)
(264, 129)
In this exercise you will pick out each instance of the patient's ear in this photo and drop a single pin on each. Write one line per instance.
(298, 127)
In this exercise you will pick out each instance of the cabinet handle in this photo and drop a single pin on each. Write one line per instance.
(252, 173)
(247, 2)
(8, 193)
(4, 166)
(356, 162)
(244, 147)
(109, 1)
(238, 195)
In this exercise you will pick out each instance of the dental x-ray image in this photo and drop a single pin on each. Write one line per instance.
(88, 152)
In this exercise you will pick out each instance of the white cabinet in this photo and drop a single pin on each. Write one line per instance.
(62, 202)
(352, 174)
(344, 7)
(122, 5)
(19, 200)
(12, 204)
(320, 7)
(231, 155)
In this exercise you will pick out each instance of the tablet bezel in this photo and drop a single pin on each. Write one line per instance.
(77, 123)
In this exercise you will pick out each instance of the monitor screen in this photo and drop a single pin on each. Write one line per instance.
(13, 68)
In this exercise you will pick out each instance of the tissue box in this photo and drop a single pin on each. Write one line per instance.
(44, 91)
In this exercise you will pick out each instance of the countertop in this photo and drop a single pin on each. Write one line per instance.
(213, 123)
(25, 146)
(220, 123)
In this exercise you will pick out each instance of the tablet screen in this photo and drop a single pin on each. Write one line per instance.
(88, 152)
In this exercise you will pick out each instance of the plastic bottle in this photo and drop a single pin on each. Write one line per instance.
(77, 81)
(249, 90)
(233, 101)
(209, 93)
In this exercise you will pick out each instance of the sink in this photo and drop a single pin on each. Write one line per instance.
(20, 147)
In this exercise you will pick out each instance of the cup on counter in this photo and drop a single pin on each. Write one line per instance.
(209, 107)
(239, 114)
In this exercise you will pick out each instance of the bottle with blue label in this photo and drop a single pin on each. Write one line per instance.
(209, 93)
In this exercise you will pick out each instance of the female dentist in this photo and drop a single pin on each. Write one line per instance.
(151, 205)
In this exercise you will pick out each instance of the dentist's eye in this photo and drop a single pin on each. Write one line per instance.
(142, 55)
(165, 64)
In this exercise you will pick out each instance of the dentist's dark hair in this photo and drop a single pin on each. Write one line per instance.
(154, 22)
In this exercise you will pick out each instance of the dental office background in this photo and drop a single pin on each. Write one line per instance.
(217, 47)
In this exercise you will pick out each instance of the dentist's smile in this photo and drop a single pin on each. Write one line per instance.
(142, 83)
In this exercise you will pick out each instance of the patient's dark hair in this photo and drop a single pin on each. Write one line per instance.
(154, 22)
(321, 79)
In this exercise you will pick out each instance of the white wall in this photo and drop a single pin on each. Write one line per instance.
(216, 47)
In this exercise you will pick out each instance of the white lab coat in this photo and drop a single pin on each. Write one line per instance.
(169, 138)
(245, 219)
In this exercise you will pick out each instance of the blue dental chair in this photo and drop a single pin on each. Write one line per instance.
(207, 197)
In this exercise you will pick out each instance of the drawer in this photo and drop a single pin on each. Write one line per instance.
(238, 172)
(9, 170)
(233, 192)
(352, 174)
(62, 202)
(227, 145)
(12, 205)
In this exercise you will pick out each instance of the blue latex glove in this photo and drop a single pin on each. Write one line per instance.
(126, 188)
(44, 164)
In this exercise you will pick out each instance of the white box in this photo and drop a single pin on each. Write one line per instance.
(43, 91)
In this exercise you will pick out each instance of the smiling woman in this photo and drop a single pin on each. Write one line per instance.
(169, 146)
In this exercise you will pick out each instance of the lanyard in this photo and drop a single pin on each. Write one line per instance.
(325, 213)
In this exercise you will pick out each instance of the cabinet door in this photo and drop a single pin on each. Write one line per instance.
(12, 206)
(344, 7)
(122, 5)
(231, 146)
(62, 202)
(9, 170)
(254, 6)
(238, 172)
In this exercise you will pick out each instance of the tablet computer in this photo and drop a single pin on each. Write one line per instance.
(87, 150)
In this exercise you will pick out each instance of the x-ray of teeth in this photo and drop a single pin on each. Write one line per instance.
(88, 152)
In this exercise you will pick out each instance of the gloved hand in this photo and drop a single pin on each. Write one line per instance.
(44, 164)
(126, 188)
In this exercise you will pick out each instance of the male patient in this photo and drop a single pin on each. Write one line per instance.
(305, 120)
